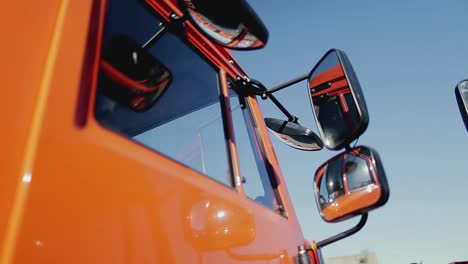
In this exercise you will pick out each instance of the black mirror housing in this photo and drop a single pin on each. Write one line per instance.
(351, 183)
(461, 93)
(230, 23)
(337, 100)
(294, 135)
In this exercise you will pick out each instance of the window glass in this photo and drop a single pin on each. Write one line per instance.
(257, 184)
(163, 94)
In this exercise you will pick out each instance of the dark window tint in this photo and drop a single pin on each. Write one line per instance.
(184, 121)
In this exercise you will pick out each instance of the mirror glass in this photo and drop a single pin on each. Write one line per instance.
(132, 76)
(351, 183)
(461, 92)
(231, 23)
(337, 101)
(294, 135)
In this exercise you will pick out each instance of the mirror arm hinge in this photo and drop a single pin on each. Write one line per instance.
(341, 235)
(176, 24)
(281, 210)
(250, 86)
(302, 256)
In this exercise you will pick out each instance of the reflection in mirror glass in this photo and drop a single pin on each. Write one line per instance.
(356, 172)
(348, 173)
(331, 185)
(350, 183)
(132, 75)
(294, 135)
(232, 24)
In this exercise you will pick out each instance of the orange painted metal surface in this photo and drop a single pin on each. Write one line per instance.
(352, 202)
(75, 192)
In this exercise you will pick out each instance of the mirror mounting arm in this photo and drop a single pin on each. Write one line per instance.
(175, 25)
(259, 89)
(286, 84)
(341, 235)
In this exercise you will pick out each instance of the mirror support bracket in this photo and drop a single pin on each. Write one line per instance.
(257, 88)
(286, 84)
(175, 25)
(341, 235)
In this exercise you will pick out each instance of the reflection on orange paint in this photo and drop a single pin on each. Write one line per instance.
(213, 223)
(352, 202)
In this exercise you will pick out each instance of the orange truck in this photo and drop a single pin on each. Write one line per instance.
(133, 136)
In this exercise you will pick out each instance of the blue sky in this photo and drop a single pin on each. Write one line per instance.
(408, 56)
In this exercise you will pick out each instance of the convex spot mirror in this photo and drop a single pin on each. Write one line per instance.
(230, 23)
(132, 76)
(351, 183)
(461, 93)
(337, 100)
(294, 135)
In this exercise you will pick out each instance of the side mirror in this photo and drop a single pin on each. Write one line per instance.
(461, 93)
(230, 23)
(351, 183)
(337, 100)
(294, 135)
(131, 75)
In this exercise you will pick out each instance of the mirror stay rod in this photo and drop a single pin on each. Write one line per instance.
(286, 84)
(176, 24)
(260, 86)
(341, 235)
(156, 36)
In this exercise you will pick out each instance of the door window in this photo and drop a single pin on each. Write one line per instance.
(256, 178)
(160, 93)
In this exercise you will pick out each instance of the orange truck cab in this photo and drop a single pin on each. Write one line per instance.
(133, 136)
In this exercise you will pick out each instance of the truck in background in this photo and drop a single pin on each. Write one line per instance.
(461, 94)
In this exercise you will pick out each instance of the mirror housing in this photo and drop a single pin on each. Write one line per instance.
(351, 183)
(337, 100)
(294, 135)
(230, 23)
(131, 75)
(461, 93)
